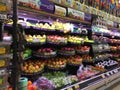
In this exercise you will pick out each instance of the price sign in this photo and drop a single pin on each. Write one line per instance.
(77, 86)
(3, 16)
(111, 72)
(103, 76)
(3, 8)
(108, 74)
(70, 89)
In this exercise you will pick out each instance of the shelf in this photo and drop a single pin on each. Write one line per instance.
(95, 81)
(32, 74)
(64, 5)
(106, 35)
(37, 13)
(111, 28)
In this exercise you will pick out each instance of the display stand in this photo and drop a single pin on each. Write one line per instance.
(15, 63)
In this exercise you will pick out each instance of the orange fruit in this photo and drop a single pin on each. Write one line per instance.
(34, 88)
(29, 82)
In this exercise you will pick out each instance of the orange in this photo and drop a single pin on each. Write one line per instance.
(9, 88)
(34, 88)
(29, 82)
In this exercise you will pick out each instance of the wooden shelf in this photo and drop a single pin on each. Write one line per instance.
(38, 13)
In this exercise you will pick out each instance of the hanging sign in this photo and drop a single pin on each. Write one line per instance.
(75, 14)
(87, 17)
(60, 10)
(47, 6)
(5, 6)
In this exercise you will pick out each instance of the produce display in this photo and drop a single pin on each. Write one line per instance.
(107, 64)
(59, 78)
(31, 67)
(36, 38)
(27, 53)
(67, 42)
(113, 48)
(7, 37)
(100, 39)
(98, 57)
(82, 49)
(98, 68)
(114, 41)
(87, 58)
(100, 47)
(75, 39)
(67, 51)
(85, 72)
(116, 55)
(55, 39)
(56, 63)
(75, 60)
(44, 84)
(45, 52)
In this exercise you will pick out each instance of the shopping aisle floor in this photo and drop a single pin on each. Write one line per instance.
(115, 87)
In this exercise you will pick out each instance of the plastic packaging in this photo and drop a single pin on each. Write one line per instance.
(3, 78)
(4, 47)
(4, 60)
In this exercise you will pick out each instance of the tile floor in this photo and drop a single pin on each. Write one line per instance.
(115, 87)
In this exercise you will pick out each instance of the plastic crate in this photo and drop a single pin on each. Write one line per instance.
(4, 47)
(5, 60)
(3, 78)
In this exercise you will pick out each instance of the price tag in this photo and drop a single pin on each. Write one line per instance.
(3, 16)
(77, 86)
(70, 89)
(111, 73)
(3, 8)
(116, 71)
(108, 74)
(103, 76)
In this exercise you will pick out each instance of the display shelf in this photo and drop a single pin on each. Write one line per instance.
(25, 59)
(63, 5)
(56, 69)
(95, 81)
(37, 12)
(81, 53)
(101, 51)
(34, 44)
(44, 57)
(34, 30)
(31, 74)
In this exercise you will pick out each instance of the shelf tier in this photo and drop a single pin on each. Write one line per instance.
(95, 81)
(37, 13)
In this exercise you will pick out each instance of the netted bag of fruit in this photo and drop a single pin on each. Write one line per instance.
(44, 84)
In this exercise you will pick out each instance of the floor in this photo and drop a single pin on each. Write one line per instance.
(115, 87)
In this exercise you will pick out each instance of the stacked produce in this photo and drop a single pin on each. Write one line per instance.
(55, 39)
(85, 72)
(67, 51)
(87, 58)
(30, 67)
(75, 39)
(36, 38)
(60, 79)
(27, 53)
(56, 63)
(75, 60)
(82, 49)
(114, 41)
(45, 52)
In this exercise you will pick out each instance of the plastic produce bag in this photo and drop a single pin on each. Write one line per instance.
(44, 84)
